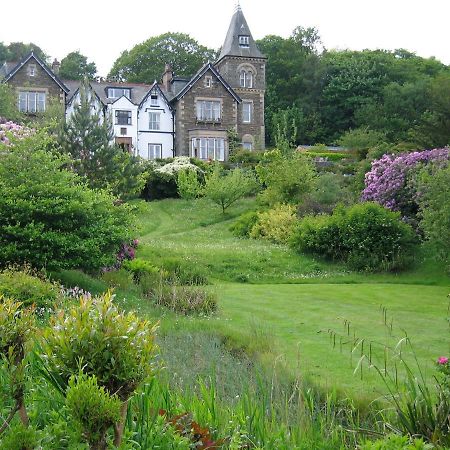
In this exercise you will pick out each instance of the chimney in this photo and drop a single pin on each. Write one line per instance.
(167, 77)
(55, 66)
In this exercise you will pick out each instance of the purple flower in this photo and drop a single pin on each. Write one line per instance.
(442, 360)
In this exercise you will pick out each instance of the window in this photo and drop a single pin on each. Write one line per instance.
(154, 151)
(209, 148)
(208, 82)
(247, 146)
(119, 92)
(246, 79)
(31, 102)
(154, 121)
(208, 110)
(32, 70)
(244, 41)
(153, 100)
(123, 117)
(247, 108)
(123, 131)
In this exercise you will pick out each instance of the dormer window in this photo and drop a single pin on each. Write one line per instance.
(154, 100)
(119, 92)
(244, 41)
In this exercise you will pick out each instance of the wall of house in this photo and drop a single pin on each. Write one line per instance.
(40, 82)
(96, 105)
(164, 136)
(124, 104)
(186, 123)
(230, 68)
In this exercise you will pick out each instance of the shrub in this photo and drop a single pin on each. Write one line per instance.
(287, 179)
(93, 408)
(95, 336)
(28, 288)
(243, 226)
(183, 272)
(188, 184)
(276, 224)
(226, 189)
(396, 442)
(366, 236)
(159, 185)
(20, 437)
(118, 279)
(49, 218)
(186, 299)
(246, 158)
(139, 267)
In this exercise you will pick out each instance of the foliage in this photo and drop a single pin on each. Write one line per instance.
(8, 103)
(387, 181)
(28, 288)
(244, 225)
(20, 437)
(287, 179)
(246, 158)
(159, 185)
(183, 272)
(118, 279)
(276, 224)
(123, 345)
(139, 267)
(396, 442)
(145, 62)
(434, 202)
(366, 236)
(15, 51)
(234, 143)
(74, 66)
(188, 184)
(49, 218)
(10, 131)
(93, 408)
(185, 299)
(86, 137)
(226, 189)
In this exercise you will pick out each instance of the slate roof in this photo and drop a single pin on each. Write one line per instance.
(231, 47)
(6, 68)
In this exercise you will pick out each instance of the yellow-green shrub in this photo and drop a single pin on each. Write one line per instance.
(276, 224)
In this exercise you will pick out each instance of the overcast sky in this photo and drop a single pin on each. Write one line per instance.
(102, 29)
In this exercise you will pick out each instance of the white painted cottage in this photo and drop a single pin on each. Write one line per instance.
(141, 115)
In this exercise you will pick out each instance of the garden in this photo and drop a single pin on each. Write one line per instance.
(271, 302)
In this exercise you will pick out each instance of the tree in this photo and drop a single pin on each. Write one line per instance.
(226, 189)
(86, 137)
(8, 103)
(74, 66)
(145, 62)
(50, 218)
(18, 50)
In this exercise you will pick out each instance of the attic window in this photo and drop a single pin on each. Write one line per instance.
(32, 70)
(244, 41)
(208, 81)
(153, 100)
(119, 92)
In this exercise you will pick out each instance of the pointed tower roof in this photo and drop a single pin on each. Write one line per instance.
(234, 44)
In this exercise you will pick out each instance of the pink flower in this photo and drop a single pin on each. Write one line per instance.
(442, 360)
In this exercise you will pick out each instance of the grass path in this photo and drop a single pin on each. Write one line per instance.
(289, 301)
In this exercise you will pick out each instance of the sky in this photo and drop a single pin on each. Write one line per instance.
(102, 29)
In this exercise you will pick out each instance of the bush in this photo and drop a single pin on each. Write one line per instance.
(49, 218)
(366, 236)
(20, 437)
(243, 226)
(276, 224)
(139, 267)
(28, 288)
(93, 408)
(159, 185)
(188, 184)
(186, 299)
(396, 442)
(183, 272)
(118, 279)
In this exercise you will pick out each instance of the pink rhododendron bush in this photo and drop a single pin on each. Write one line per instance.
(10, 131)
(390, 182)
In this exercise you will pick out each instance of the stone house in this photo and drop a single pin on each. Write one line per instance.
(179, 116)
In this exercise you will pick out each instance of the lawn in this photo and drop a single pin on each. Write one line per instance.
(290, 302)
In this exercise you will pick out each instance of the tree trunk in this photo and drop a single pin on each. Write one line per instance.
(23, 412)
(120, 426)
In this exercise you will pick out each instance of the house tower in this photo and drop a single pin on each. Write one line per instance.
(243, 66)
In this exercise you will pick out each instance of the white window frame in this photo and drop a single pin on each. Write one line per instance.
(32, 101)
(32, 70)
(208, 81)
(208, 148)
(209, 110)
(154, 151)
(154, 121)
(116, 92)
(244, 41)
(247, 112)
(246, 78)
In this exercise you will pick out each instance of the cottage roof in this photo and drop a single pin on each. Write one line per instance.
(44, 66)
(231, 47)
(199, 74)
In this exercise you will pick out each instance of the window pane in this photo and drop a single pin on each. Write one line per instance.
(203, 148)
(41, 101)
(220, 149)
(154, 123)
(32, 102)
(23, 101)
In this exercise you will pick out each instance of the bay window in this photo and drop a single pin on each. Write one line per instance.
(208, 148)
